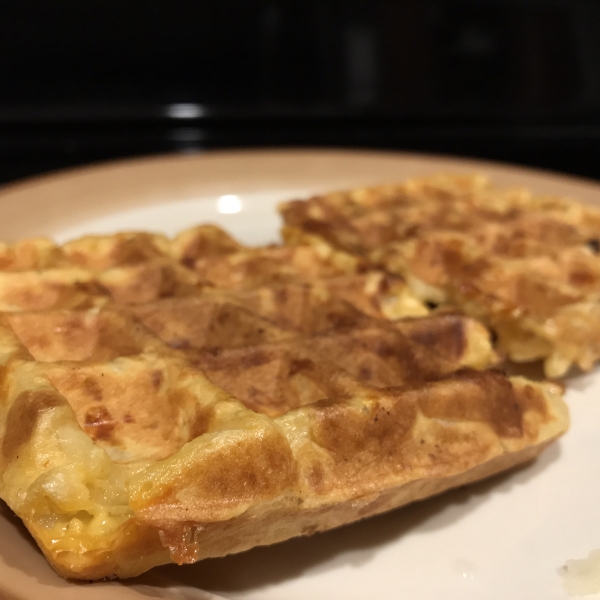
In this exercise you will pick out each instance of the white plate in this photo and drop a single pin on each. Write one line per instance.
(503, 538)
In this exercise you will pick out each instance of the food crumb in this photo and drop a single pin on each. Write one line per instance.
(582, 577)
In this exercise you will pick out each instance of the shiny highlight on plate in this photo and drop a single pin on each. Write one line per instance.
(229, 204)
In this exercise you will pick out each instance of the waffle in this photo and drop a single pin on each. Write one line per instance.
(170, 400)
(527, 266)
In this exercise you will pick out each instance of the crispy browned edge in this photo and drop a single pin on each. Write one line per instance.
(257, 489)
(256, 527)
(267, 492)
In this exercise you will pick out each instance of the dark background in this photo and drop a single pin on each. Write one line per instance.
(82, 81)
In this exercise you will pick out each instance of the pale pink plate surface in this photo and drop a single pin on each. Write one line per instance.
(505, 538)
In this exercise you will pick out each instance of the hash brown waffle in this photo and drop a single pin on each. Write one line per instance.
(174, 400)
(527, 266)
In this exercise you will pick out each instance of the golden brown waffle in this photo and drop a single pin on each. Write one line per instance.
(528, 266)
(174, 400)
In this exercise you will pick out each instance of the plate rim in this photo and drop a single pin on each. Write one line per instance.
(36, 185)
(103, 166)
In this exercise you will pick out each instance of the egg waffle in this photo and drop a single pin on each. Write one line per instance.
(175, 400)
(528, 266)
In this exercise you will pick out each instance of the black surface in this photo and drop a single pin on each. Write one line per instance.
(95, 80)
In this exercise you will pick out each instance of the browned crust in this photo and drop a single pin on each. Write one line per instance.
(210, 420)
(526, 265)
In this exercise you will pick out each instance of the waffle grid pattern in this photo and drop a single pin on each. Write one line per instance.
(526, 265)
(173, 400)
